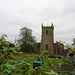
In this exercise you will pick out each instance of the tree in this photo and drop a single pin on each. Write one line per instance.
(74, 40)
(26, 41)
(2, 38)
(73, 44)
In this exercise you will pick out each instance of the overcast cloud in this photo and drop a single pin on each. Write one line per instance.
(15, 14)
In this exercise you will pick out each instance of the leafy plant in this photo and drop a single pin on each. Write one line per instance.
(8, 62)
(7, 68)
(24, 67)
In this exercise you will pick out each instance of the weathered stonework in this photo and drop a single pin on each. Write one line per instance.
(58, 49)
(47, 40)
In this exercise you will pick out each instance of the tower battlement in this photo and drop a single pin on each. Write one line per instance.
(51, 27)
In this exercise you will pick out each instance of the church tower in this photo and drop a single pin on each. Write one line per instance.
(47, 39)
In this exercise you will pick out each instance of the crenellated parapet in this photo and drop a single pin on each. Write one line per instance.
(51, 27)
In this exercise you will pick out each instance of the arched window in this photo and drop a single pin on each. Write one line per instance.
(58, 50)
(46, 31)
(46, 47)
(38, 47)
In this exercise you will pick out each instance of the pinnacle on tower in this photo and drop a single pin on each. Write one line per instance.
(52, 24)
(42, 24)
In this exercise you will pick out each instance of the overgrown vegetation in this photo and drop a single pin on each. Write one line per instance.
(8, 62)
(13, 62)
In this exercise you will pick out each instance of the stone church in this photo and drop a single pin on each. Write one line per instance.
(47, 42)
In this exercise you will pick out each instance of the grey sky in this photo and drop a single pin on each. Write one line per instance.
(15, 14)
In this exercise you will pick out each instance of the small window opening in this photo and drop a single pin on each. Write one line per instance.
(58, 50)
(46, 31)
(38, 47)
(46, 47)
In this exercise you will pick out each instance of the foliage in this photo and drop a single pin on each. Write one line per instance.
(74, 40)
(8, 63)
(73, 44)
(43, 72)
(7, 69)
(24, 67)
(26, 41)
(44, 53)
(71, 50)
(65, 73)
(51, 73)
(18, 63)
(2, 38)
(7, 53)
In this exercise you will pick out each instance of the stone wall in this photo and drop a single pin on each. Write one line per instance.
(58, 49)
(47, 41)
